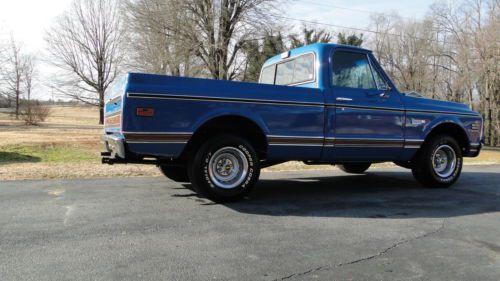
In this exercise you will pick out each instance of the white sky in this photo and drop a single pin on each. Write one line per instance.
(28, 19)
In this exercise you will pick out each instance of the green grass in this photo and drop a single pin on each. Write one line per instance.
(32, 153)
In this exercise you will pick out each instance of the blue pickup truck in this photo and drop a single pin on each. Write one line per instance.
(321, 104)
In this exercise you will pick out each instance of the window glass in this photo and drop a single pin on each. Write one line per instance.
(297, 70)
(352, 70)
(381, 84)
(284, 73)
(267, 76)
(304, 69)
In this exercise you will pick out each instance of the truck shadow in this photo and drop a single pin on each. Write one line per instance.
(375, 195)
(14, 157)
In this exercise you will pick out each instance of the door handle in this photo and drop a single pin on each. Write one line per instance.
(384, 95)
(343, 99)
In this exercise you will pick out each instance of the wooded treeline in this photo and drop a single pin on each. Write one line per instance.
(451, 54)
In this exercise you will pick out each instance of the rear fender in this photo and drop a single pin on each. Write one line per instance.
(207, 117)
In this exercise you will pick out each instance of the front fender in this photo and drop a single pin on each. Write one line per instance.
(444, 120)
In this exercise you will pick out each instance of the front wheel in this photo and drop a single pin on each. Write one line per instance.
(439, 162)
(355, 168)
(225, 168)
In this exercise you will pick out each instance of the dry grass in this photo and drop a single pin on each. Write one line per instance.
(67, 146)
(64, 125)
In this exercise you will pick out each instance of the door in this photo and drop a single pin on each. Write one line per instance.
(368, 115)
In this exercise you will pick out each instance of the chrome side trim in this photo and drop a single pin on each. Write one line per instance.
(296, 144)
(157, 142)
(365, 107)
(289, 103)
(220, 99)
(442, 112)
(158, 133)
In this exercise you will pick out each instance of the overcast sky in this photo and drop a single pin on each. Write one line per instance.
(28, 19)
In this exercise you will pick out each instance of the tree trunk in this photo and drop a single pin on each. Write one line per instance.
(17, 104)
(101, 114)
(101, 107)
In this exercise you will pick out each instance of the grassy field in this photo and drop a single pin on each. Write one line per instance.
(67, 146)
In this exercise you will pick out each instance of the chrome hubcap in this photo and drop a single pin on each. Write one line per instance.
(444, 161)
(228, 167)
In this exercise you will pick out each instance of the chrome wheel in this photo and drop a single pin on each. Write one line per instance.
(444, 161)
(228, 167)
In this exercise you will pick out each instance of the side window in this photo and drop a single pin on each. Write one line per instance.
(284, 73)
(352, 70)
(381, 84)
(297, 70)
(267, 76)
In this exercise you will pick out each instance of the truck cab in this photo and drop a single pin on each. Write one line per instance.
(321, 104)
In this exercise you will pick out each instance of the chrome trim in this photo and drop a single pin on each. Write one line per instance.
(158, 133)
(220, 99)
(114, 145)
(370, 145)
(364, 107)
(157, 142)
(287, 103)
(302, 137)
(371, 139)
(444, 161)
(296, 144)
(441, 112)
(343, 99)
(414, 140)
(228, 167)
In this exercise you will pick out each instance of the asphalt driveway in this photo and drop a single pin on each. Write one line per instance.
(295, 226)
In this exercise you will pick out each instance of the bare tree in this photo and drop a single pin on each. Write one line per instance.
(29, 75)
(452, 54)
(31, 111)
(12, 74)
(219, 28)
(85, 44)
(155, 28)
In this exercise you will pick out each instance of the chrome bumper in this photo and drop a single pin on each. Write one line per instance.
(114, 145)
(474, 150)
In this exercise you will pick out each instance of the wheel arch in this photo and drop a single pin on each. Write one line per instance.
(240, 125)
(452, 129)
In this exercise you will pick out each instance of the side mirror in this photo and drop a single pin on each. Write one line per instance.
(386, 88)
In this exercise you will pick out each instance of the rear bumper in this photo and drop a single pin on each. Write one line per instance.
(114, 146)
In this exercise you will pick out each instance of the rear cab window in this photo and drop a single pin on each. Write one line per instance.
(293, 71)
(267, 75)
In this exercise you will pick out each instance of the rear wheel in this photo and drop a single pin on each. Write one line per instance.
(355, 168)
(175, 173)
(225, 168)
(439, 162)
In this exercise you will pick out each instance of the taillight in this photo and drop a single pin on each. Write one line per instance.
(145, 111)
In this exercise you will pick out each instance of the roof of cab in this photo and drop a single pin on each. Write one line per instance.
(317, 48)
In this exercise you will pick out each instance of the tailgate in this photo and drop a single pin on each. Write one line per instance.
(114, 106)
(113, 115)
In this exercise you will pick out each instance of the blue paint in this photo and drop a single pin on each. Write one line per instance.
(307, 111)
